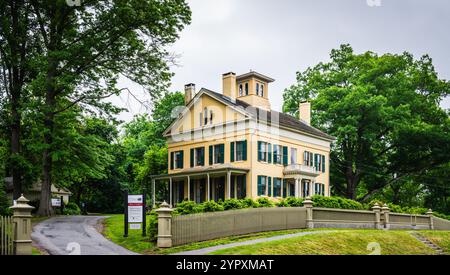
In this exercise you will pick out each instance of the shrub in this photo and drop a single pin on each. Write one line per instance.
(294, 202)
(152, 227)
(336, 202)
(232, 204)
(264, 202)
(71, 209)
(282, 203)
(4, 205)
(211, 206)
(188, 207)
(249, 203)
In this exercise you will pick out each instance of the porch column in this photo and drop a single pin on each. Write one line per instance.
(311, 185)
(208, 193)
(228, 194)
(171, 191)
(153, 194)
(297, 195)
(189, 188)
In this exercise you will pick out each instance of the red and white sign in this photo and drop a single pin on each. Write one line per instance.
(135, 208)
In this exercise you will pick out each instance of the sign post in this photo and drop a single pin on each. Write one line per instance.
(144, 216)
(134, 215)
(125, 214)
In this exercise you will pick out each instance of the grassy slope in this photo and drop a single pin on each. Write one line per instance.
(440, 238)
(337, 243)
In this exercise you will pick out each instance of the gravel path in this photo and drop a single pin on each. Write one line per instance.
(74, 235)
(207, 250)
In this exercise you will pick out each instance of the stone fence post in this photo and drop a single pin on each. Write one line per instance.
(22, 220)
(308, 203)
(376, 209)
(164, 225)
(430, 215)
(385, 212)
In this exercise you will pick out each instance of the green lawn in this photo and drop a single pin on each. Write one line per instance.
(344, 242)
(439, 238)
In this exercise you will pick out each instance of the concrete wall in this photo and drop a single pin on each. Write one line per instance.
(441, 224)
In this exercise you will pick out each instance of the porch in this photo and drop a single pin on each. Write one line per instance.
(205, 184)
(301, 180)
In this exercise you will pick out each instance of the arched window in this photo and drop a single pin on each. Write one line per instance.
(246, 88)
(262, 90)
(240, 90)
(257, 88)
(205, 116)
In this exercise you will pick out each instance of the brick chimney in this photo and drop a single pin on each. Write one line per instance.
(304, 112)
(189, 92)
(229, 85)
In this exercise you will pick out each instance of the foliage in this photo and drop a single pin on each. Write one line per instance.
(232, 204)
(264, 202)
(336, 202)
(71, 209)
(152, 226)
(212, 206)
(187, 207)
(371, 104)
(4, 205)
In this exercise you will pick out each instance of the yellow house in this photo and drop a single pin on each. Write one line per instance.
(232, 145)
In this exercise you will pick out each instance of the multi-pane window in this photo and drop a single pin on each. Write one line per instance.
(262, 151)
(262, 90)
(241, 92)
(240, 150)
(276, 187)
(218, 154)
(262, 185)
(198, 156)
(277, 154)
(205, 116)
(308, 158)
(319, 162)
(176, 160)
(293, 156)
(257, 89)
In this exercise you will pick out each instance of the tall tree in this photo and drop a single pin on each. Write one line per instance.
(383, 110)
(18, 46)
(87, 48)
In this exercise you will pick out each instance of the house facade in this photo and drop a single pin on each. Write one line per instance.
(232, 145)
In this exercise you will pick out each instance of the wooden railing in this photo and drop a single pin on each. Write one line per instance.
(7, 231)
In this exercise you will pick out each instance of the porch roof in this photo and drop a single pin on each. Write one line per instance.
(199, 171)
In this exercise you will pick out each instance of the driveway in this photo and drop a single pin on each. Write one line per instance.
(74, 235)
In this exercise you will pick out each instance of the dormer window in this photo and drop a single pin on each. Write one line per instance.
(246, 88)
(241, 90)
(257, 89)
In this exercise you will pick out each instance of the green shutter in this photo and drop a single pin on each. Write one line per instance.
(192, 157)
(323, 163)
(244, 185)
(202, 157)
(269, 152)
(211, 160)
(259, 151)
(245, 150)
(274, 154)
(181, 163)
(316, 161)
(285, 155)
(171, 160)
(232, 152)
(269, 180)
(222, 153)
(259, 186)
(284, 188)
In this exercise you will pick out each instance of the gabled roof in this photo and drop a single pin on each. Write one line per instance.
(256, 75)
(284, 120)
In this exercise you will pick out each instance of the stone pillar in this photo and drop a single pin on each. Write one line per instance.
(22, 220)
(385, 212)
(376, 209)
(164, 225)
(430, 215)
(308, 204)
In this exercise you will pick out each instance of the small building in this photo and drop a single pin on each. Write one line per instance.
(233, 145)
(34, 193)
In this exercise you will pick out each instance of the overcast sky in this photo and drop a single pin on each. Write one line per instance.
(280, 37)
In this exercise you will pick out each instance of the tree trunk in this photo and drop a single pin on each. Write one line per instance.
(15, 144)
(352, 182)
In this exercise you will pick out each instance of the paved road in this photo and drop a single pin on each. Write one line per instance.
(207, 250)
(74, 235)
